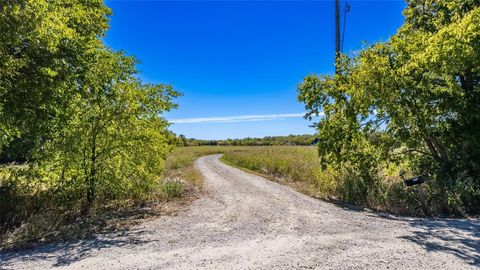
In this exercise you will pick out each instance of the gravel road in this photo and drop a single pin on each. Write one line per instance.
(247, 222)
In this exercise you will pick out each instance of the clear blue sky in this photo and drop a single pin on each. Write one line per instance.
(238, 62)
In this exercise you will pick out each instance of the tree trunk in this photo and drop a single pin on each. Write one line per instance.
(439, 154)
(468, 128)
(90, 176)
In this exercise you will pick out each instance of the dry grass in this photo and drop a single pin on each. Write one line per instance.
(296, 166)
(60, 225)
(299, 167)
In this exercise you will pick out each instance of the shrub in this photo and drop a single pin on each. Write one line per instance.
(172, 188)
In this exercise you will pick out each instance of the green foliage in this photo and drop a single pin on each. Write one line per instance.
(115, 148)
(412, 100)
(44, 46)
(18, 150)
(75, 111)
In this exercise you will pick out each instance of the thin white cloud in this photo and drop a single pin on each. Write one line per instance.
(237, 118)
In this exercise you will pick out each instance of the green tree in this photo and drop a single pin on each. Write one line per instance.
(114, 140)
(414, 98)
(95, 129)
(44, 46)
(183, 140)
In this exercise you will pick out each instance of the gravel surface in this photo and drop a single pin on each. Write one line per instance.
(248, 222)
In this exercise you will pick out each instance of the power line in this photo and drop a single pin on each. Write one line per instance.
(339, 42)
(345, 11)
(337, 34)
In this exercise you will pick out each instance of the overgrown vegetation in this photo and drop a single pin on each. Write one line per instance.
(300, 168)
(87, 132)
(412, 101)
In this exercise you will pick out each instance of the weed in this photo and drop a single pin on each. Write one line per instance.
(172, 188)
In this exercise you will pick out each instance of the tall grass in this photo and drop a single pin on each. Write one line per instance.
(299, 167)
(288, 163)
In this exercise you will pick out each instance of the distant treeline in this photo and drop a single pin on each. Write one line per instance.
(305, 139)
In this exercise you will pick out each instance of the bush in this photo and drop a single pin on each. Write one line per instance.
(172, 188)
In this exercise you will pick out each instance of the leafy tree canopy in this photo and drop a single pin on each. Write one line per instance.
(44, 49)
(90, 126)
(414, 97)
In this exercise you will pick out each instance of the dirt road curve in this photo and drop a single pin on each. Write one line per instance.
(247, 222)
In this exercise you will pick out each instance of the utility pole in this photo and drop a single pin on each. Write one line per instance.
(337, 34)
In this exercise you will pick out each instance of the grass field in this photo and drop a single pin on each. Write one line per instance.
(299, 167)
(296, 166)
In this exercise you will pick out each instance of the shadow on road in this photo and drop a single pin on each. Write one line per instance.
(67, 253)
(457, 237)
